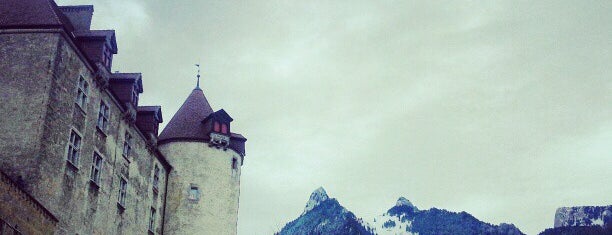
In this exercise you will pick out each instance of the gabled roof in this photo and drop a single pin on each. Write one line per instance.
(128, 77)
(32, 13)
(79, 15)
(156, 110)
(220, 115)
(186, 123)
(108, 35)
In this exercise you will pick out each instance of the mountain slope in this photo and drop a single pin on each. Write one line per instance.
(405, 218)
(323, 215)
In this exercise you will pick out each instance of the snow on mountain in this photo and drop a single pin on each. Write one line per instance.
(397, 220)
(583, 216)
(324, 215)
(318, 196)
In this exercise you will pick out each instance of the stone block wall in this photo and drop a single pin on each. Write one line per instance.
(40, 72)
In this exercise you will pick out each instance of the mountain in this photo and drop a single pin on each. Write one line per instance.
(405, 218)
(578, 230)
(324, 215)
(583, 216)
(582, 220)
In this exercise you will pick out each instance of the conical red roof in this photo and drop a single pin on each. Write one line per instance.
(187, 121)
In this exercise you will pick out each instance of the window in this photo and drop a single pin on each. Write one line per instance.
(155, 179)
(194, 193)
(122, 191)
(152, 220)
(135, 96)
(74, 148)
(216, 127)
(103, 115)
(127, 145)
(106, 58)
(96, 167)
(82, 92)
(234, 166)
(224, 128)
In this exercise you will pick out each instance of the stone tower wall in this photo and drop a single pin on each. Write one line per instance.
(209, 169)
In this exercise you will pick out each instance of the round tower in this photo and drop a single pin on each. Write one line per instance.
(204, 185)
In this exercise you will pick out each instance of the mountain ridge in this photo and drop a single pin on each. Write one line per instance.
(325, 215)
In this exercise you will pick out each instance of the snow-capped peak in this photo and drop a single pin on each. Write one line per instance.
(402, 201)
(317, 196)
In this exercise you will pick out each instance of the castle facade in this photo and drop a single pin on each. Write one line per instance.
(78, 155)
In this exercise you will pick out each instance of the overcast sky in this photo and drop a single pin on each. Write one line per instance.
(501, 109)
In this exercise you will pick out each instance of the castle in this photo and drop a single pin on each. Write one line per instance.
(78, 155)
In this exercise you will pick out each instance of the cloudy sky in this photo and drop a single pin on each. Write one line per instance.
(501, 109)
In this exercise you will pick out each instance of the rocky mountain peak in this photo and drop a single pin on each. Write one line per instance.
(402, 201)
(316, 197)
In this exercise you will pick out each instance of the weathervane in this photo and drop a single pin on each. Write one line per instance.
(198, 84)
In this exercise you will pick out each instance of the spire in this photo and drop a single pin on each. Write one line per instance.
(186, 122)
(198, 84)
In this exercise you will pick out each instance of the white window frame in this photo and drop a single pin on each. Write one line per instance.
(74, 148)
(152, 215)
(194, 193)
(103, 116)
(135, 95)
(123, 185)
(156, 172)
(82, 93)
(127, 145)
(96, 168)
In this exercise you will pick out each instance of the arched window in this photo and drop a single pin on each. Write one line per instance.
(234, 164)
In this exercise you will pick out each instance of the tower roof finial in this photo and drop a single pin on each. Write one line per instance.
(198, 83)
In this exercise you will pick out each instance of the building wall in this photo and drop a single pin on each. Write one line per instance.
(41, 72)
(26, 65)
(20, 212)
(210, 169)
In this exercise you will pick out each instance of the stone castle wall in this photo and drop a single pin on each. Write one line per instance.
(39, 72)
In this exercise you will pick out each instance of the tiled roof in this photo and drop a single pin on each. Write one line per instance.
(28, 13)
(187, 122)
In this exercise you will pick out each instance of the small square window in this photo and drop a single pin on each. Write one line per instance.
(194, 193)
